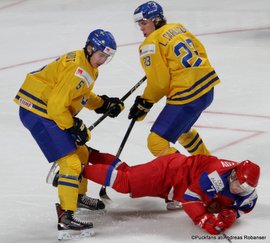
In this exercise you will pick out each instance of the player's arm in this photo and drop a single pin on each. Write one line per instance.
(102, 104)
(245, 204)
(213, 223)
(200, 192)
(158, 82)
(158, 77)
(94, 101)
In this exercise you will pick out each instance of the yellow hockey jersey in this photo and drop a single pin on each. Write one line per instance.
(176, 66)
(59, 90)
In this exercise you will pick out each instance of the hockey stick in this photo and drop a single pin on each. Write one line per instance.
(54, 167)
(102, 192)
(122, 99)
(125, 137)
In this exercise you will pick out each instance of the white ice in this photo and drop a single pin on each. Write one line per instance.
(236, 126)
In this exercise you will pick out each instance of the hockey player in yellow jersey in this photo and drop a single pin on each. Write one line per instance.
(177, 67)
(50, 99)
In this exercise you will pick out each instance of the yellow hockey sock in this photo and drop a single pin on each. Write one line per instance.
(159, 146)
(193, 143)
(83, 154)
(68, 182)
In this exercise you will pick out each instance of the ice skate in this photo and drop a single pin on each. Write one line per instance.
(85, 202)
(70, 227)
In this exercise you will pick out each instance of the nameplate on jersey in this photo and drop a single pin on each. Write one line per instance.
(226, 163)
(82, 74)
(216, 181)
(147, 50)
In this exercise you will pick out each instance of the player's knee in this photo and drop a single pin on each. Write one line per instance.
(83, 154)
(70, 164)
(159, 146)
(186, 138)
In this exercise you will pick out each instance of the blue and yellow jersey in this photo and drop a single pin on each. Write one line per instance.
(61, 89)
(176, 66)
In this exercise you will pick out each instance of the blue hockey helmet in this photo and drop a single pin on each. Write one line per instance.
(102, 40)
(149, 10)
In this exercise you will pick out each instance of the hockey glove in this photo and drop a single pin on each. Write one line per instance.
(228, 216)
(79, 132)
(115, 105)
(139, 109)
(212, 224)
(217, 223)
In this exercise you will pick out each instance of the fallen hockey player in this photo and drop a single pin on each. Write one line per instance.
(213, 192)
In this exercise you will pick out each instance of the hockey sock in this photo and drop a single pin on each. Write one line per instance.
(108, 176)
(159, 146)
(68, 182)
(99, 173)
(193, 143)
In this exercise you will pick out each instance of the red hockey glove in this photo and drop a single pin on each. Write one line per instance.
(228, 216)
(217, 223)
(212, 224)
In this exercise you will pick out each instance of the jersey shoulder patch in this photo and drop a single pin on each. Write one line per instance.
(147, 50)
(82, 74)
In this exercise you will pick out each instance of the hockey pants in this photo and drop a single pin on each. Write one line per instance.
(139, 180)
(191, 141)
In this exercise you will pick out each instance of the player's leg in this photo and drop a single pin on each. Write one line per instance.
(68, 181)
(84, 201)
(175, 120)
(140, 180)
(107, 175)
(96, 157)
(158, 145)
(58, 145)
(190, 139)
(193, 143)
(165, 130)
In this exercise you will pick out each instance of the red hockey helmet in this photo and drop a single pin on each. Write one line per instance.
(248, 174)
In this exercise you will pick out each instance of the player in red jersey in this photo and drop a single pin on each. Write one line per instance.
(213, 192)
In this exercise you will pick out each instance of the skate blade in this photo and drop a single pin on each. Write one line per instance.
(89, 215)
(75, 234)
(86, 211)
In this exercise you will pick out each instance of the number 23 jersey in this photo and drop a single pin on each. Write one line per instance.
(176, 66)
